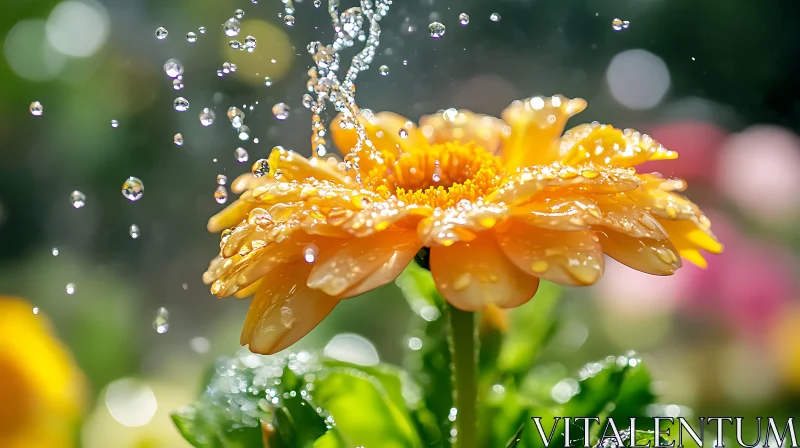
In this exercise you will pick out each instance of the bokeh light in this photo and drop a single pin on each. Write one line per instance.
(638, 79)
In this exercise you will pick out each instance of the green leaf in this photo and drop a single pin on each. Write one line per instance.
(645, 437)
(516, 439)
(428, 363)
(635, 394)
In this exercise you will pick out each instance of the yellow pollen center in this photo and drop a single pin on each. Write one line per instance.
(438, 175)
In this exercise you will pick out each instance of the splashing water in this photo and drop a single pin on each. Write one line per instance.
(77, 199)
(463, 18)
(161, 322)
(133, 189)
(161, 33)
(618, 24)
(178, 139)
(133, 231)
(241, 155)
(221, 194)
(36, 109)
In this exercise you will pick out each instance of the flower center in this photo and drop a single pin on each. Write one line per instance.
(438, 175)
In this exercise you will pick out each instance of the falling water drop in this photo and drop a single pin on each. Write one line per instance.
(177, 83)
(308, 101)
(114, 123)
(222, 179)
(260, 168)
(36, 109)
(133, 230)
(161, 33)
(236, 45)
(289, 20)
(178, 139)
(437, 29)
(173, 68)
(317, 3)
(161, 322)
(463, 18)
(250, 43)
(133, 189)
(241, 155)
(238, 14)
(202, 30)
(181, 104)
(221, 194)
(232, 27)
(236, 116)
(244, 132)
(77, 199)
(494, 17)
(191, 37)
(70, 288)
(55, 252)
(383, 70)
(207, 117)
(36, 310)
(618, 24)
(281, 111)
(268, 81)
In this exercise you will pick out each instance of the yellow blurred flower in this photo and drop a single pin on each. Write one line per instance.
(41, 389)
(499, 203)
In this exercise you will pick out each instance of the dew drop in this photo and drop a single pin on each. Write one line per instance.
(181, 104)
(191, 37)
(173, 68)
(221, 194)
(403, 133)
(260, 168)
(177, 84)
(288, 20)
(55, 252)
(114, 123)
(494, 17)
(178, 139)
(36, 109)
(310, 253)
(268, 81)
(244, 132)
(222, 179)
(281, 111)
(133, 230)
(161, 33)
(133, 189)
(437, 30)
(383, 70)
(70, 288)
(463, 19)
(202, 30)
(207, 117)
(238, 13)
(36, 310)
(77, 199)
(250, 43)
(236, 116)
(241, 155)
(618, 24)
(161, 322)
(232, 27)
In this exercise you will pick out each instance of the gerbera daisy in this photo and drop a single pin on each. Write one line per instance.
(495, 204)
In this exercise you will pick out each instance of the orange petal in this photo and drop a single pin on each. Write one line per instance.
(339, 268)
(387, 272)
(284, 310)
(607, 145)
(232, 214)
(643, 254)
(472, 275)
(288, 165)
(690, 235)
(459, 223)
(560, 214)
(536, 123)
(464, 126)
(567, 258)
(631, 220)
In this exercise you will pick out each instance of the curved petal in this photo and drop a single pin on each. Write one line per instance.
(536, 123)
(607, 145)
(387, 272)
(631, 220)
(472, 275)
(560, 214)
(232, 214)
(288, 165)
(284, 310)
(690, 235)
(459, 223)
(567, 258)
(643, 254)
(465, 126)
(339, 268)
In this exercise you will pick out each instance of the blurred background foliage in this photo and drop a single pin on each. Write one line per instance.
(711, 80)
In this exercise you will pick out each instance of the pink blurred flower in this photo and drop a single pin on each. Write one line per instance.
(696, 144)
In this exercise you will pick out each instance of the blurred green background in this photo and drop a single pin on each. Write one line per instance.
(714, 81)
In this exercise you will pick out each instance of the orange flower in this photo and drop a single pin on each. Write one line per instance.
(498, 203)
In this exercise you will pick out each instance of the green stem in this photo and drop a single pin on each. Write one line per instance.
(464, 351)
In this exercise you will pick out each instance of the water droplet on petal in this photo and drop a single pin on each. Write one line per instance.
(191, 37)
(207, 117)
(260, 168)
(70, 288)
(463, 18)
(437, 29)
(232, 27)
(77, 199)
(494, 17)
(289, 20)
(181, 104)
(161, 33)
(133, 230)
(310, 253)
(383, 70)
(221, 194)
(36, 109)
(403, 133)
(173, 68)
(161, 322)
(281, 111)
(178, 139)
(241, 155)
(133, 189)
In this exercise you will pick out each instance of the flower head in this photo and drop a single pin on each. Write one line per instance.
(40, 386)
(499, 204)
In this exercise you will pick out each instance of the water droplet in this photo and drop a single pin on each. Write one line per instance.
(207, 117)
(161, 33)
(618, 24)
(281, 111)
(36, 310)
(250, 43)
(178, 139)
(268, 81)
(236, 116)
(278, 174)
(133, 230)
(191, 37)
(414, 343)
(36, 109)
(317, 3)
(437, 30)
(114, 123)
(222, 179)
(236, 45)
(177, 84)
(289, 20)
(260, 168)
(238, 13)
(161, 322)
(403, 133)
(463, 18)
(241, 155)
(405, 62)
(221, 194)
(313, 47)
(308, 101)
(232, 27)
(494, 17)
(77, 199)
(202, 30)
(244, 132)
(55, 252)
(133, 189)
(310, 253)
(70, 288)
(173, 68)
(383, 70)
(181, 104)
